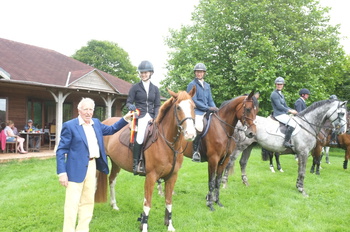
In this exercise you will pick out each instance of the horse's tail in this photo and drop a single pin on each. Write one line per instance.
(265, 154)
(101, 188)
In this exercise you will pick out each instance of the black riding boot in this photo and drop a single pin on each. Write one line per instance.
(196, 157)
(136, 155)
(289, 132)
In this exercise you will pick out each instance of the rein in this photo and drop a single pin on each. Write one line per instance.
(172, 145)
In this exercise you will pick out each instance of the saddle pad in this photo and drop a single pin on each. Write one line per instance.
(150, 136)
(278, 128)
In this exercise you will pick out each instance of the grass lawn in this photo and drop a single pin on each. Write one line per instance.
(31, 199)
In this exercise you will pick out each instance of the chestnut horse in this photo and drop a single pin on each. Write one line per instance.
(324, 140)
(173, 127)
(218, 143)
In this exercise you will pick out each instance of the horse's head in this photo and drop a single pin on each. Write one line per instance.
(184, 112)
(245, 109)
(248, 113)
(337, 115)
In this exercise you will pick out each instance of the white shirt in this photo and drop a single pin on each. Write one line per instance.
(94, 149)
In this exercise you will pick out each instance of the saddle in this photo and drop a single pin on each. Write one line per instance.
(280, 128)
(150, 137)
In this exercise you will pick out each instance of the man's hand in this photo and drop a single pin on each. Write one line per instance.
(63, 180)
(127, 117)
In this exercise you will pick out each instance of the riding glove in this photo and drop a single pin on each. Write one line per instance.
(132, 107)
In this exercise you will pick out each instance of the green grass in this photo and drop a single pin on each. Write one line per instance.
(31, 199)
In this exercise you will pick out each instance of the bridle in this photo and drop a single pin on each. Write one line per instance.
(317, 127)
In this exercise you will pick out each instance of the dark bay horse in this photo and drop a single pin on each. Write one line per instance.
(174, 127)
(323, 141)
(218, 143)
(310, 121)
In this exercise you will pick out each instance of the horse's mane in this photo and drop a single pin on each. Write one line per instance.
(182, 95)
(316, 105)
(255, 101)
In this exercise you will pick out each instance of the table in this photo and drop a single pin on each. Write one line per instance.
(27, 134)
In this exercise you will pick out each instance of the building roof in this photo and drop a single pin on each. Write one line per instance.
(34, 65)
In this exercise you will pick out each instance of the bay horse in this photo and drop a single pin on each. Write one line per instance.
(218, 142)
(173, 128)
(310, 121)
(323, 143)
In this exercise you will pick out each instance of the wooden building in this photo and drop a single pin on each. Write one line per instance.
(46, 86)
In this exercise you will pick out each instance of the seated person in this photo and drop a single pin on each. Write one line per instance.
(11, 137)
(31, 128)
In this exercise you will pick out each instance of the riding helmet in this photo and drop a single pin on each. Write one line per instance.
(333, 97)
(279, 80)
(200, 67)
(145, 66)
(304, 91)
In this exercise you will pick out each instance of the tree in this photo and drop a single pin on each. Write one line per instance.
(247, 44)
(108, 57)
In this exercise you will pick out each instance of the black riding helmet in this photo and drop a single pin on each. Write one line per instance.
(145, 66)
(304, 91)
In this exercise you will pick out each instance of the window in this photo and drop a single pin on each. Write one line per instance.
(100, 113)
(3, 109)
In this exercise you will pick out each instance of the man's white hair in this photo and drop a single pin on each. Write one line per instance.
(85, 100)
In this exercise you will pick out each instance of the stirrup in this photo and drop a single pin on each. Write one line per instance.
(196, 157)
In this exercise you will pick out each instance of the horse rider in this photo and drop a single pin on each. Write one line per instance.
(281, 110)
(204, 103)
(300, 104)
(333, 140)
(144, 96)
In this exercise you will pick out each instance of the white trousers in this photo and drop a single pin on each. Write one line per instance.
(286, 119)
(198, 122)
(80, 199)
(141, 128)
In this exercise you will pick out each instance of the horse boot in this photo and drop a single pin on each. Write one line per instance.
(196, 156)
(136, 155)
(289, 132)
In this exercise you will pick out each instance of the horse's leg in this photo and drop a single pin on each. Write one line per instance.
(277, 157)
(220, 171)
(229, 168)
(244, 161)
(169, 188)
(159, 187)
(112, 181)
(316, 161)
(326, 149)
(347, 156)
(148, 188)
(271, 162)
(302, 159)
(212, 170)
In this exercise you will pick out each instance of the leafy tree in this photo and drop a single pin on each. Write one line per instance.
(247, 44)
(108, 57)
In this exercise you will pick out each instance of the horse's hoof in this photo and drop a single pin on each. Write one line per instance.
(272, 169)
(211, 208)
(281, 170)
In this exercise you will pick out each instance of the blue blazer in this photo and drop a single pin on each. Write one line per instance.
(203, 98)
(73, 142)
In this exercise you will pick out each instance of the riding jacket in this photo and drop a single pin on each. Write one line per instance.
(146, 104)
(299, 104)
(203, 98)
(279, 104)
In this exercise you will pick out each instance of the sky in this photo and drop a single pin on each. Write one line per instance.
(137, 26)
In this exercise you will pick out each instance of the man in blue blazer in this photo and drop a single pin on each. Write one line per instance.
(80, 152)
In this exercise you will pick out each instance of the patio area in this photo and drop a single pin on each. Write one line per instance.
(44, 153)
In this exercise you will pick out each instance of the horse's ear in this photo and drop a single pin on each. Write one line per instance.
(173, 94)
(251, 94)
(193, 91)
